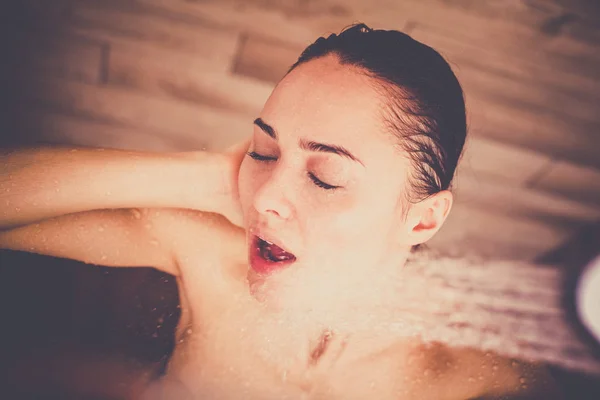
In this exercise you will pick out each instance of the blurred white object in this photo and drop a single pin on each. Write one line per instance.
(588, 297)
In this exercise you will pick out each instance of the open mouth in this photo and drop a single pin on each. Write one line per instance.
(266, 257)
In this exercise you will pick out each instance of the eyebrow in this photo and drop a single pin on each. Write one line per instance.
(309, 145)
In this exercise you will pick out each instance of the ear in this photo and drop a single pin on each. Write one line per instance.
(425, 218)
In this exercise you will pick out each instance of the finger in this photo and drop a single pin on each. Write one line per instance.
(240, 147)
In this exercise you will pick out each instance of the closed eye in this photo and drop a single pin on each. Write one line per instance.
(313, 178)
(320, 183)
(260, 157)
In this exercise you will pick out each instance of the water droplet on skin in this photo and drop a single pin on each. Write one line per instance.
(189, 331)
(136, 214)
(523, 380)
(524, 386)
(471, 379)
(495, 367)
(7, 190)
(154, 242)
(100, 229)
(103, 258)
(17, 209)
(73, 151)
(426, 372)
(480, 377)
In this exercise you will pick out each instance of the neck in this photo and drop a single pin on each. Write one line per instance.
(339, 303)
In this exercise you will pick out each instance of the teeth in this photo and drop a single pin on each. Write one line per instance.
(266, 241)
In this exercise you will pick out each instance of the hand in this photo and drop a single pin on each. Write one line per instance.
(234, 156)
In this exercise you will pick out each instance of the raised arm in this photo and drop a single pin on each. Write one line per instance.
(109, 207)
(41, 183)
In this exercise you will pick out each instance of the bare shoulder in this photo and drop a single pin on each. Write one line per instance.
(191, 232)
(458, 374)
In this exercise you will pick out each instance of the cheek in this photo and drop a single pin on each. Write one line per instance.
(348, 224)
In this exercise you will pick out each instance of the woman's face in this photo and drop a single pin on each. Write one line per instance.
(323, 180)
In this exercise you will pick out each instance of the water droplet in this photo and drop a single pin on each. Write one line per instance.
(136, 214)
(17, 209)
(523, 380)
(100, 229)
(480, 377)
(73, 151)
(495, 367)
(7, 190)
(426, 372)
(471, 379)
(154, 242)
(189, 331)
(103, 258)
(524, 386)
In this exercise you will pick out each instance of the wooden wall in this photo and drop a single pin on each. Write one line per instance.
(175, 74)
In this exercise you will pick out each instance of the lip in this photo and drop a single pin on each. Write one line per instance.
(259, 264)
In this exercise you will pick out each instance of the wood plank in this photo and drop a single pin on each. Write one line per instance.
(481, 190)
(460, 50)
(545, 133)
(64, 56)
(510, 119)
(489, 86)
(517, 42)
(107, 21)
(501, 161)
(296, 22)
(571, 180)
(472, 231)
(41, 125)
(264, 59)
(193, 124)
(186, 77)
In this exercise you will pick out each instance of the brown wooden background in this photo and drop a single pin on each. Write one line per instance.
(191, 74)
(176, 74)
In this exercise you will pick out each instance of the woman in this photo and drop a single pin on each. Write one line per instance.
(347, 170)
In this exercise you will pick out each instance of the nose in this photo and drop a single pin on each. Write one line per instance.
(271, 200)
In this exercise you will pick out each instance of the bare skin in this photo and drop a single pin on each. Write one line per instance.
(312, 331)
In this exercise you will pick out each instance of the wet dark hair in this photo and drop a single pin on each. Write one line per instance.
(424, 102)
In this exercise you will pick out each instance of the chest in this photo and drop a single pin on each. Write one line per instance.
(243, 356)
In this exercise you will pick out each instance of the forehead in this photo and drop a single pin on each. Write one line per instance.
(324, 98)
